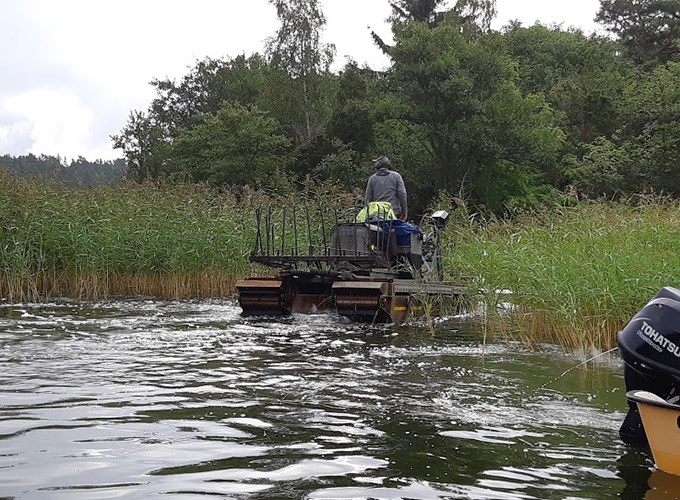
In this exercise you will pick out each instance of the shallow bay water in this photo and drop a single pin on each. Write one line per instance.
(187, 399)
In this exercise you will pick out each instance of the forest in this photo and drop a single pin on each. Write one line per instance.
(77, 172)
(504, 120)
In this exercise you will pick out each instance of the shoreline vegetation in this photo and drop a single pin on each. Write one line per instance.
(575, 275)
(572, 275)
(156, 239)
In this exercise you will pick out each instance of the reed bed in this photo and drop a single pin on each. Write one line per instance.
(161, 240)
(570, 275)
(567, 275)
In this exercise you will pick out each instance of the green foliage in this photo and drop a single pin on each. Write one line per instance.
(649, 29)
(343, 167)
(407, 143)
(296, 50)
(479, 12)
(237, 146)
(130, 228)
(352, 120)
(49, 233)
(208, 84)
(78, 172)
(416, 10)
(600, 171)
(650, 132)
(508, 187)
(296, 47)
(593, 263)
(353, 124)
(144, 146)
(307, 157)
(474, 120)
(303, 119)
(501, 119)
(467, 11)
(581, 77)
(146, 138)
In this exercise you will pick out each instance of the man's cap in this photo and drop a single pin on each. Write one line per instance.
(382, 162)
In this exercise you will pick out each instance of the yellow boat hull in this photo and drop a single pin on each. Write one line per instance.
(661, 421)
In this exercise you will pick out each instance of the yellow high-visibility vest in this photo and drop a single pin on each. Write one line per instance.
(376, 210)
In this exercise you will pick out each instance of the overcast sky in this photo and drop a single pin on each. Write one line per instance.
(72, 70)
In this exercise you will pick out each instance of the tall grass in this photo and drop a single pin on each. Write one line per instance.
(160, 240)
(132, 239)
(572, 275)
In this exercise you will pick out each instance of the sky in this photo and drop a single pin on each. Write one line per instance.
(73, 70)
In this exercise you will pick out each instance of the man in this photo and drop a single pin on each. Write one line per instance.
(387, 185)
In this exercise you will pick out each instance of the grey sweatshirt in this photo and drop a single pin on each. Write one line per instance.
(387, 185)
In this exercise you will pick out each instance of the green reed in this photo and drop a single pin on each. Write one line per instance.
(80, 241)
(573, 275)
(153, 239)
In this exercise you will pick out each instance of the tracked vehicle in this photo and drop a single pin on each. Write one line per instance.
(378, 270)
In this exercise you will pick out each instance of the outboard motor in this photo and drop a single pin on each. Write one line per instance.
(650, 348)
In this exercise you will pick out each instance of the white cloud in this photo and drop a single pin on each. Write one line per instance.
(349, 26)
(50, 120)
(16, 135)
(90, 63)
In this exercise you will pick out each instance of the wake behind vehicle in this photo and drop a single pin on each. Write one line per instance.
(378, 270)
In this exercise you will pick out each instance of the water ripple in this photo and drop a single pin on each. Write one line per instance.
(138, 398)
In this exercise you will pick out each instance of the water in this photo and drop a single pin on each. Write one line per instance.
(141, 399)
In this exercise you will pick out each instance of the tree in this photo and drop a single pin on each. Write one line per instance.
(144, 146)
(343, 167)
(477, 13)
(79, 172)
(237, 146)
(650, 131)
(582, 77)
(416, 10)
(208, 84)
(351, 120)
(480, 12)
(600, 172)
(296, 49)
(146, 138)
(408, 148)
(649, 29)
(477, 127)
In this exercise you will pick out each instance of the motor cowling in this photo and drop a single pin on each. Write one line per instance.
(650, 348)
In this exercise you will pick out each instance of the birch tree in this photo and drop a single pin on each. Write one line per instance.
(296, 49)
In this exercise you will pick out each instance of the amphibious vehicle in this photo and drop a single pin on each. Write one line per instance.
(373, 268)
